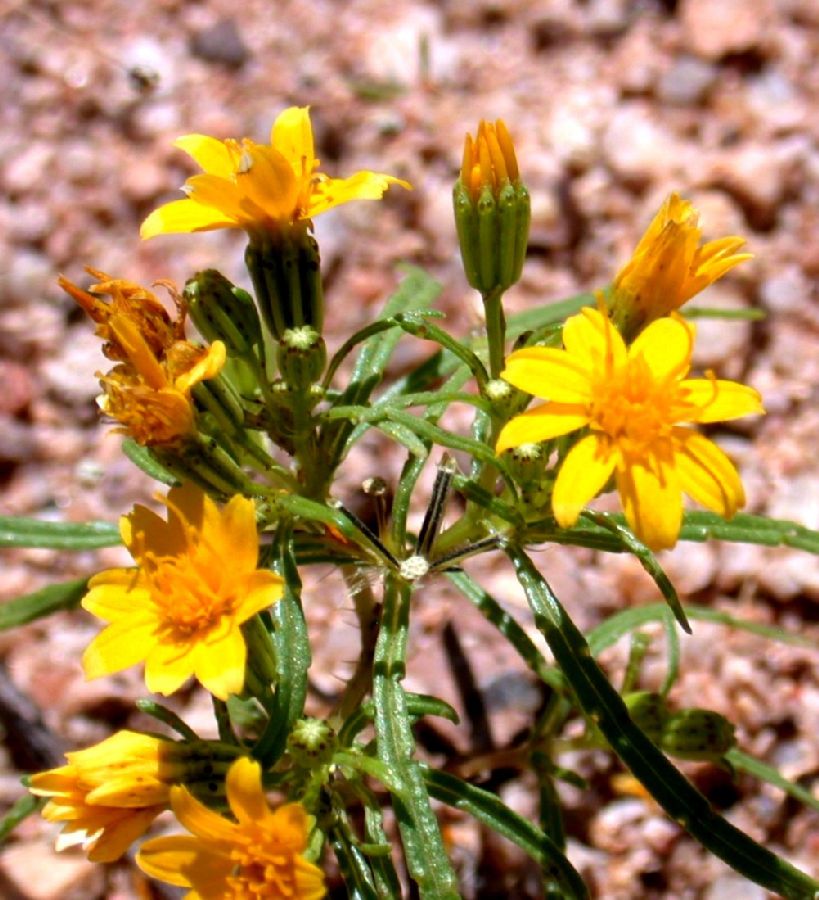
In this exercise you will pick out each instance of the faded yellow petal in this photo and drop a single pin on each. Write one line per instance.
(666, 346)
(209, 366)
(182, 216)
(540, 424)
(720, 401)
(706, 474)
(652, 500)
(550, 374)
(210, 154)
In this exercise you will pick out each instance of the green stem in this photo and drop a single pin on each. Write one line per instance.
(495, 330)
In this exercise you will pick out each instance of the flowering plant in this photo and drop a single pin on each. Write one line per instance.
(247, 426)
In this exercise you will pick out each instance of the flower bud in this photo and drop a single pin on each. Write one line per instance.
(697, 734)
(286, 274)
(302, 357)
(311, 743)
(492, 210)
(649, 712)
(222, 311)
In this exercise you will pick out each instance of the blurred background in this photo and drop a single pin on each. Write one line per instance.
(612, 105)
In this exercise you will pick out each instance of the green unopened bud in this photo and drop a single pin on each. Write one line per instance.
(311, 743)
(302, 357)
(286, 275)
(222, 311)
(649, 712)
(492, 210)
(697, 734)
(526, 463)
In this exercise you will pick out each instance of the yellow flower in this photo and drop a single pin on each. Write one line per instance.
(259, 855)
(128, 301)
(489, 160)
(108, 795)
(669, 267)
(181, 610)
(258, 187)
(148, 393)
(634, 401)
(151, 397)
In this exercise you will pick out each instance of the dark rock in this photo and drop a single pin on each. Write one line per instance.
(221, 43)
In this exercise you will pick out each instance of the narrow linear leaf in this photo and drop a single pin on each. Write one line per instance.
(610, 631)
(23, 532)
(144, 458)
(42, 603)
(22, 809)
(744, 763)
(490, 811)
(678, 797)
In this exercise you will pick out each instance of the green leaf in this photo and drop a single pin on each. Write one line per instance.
(22, 532)
(292, 656)
(610, 631)
(602, 704)
(490, 811)
(144, 458)
(747, 314)
(648, 561)
(424, 851)
(22, 809)
(42, 603)
(744, 763)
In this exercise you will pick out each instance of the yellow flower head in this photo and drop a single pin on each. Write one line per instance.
(257, 855)
(151, 397)
(148, 393)
(669, 267)
(182, 609)
(107, 795)
(489, 160)
(133, 302)
(260, 188)
(635, 402)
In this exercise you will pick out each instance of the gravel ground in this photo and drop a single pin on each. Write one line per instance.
(612, 104)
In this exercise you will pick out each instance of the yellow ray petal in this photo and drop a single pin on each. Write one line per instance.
(220, 665)
(168, 666)
(182, 216)
(118, 646)
(584, 473)
(118, 836)
(550, 374)
(292, 136)
(720, 401)
(244, 791)
(591, 338)
(666, 346)
(211, 154)
(171, 858)
(706, 474)
(202, 821)
(260, 590)
(330, 192)
(540, 424)
(652, 501)
(267, 181)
